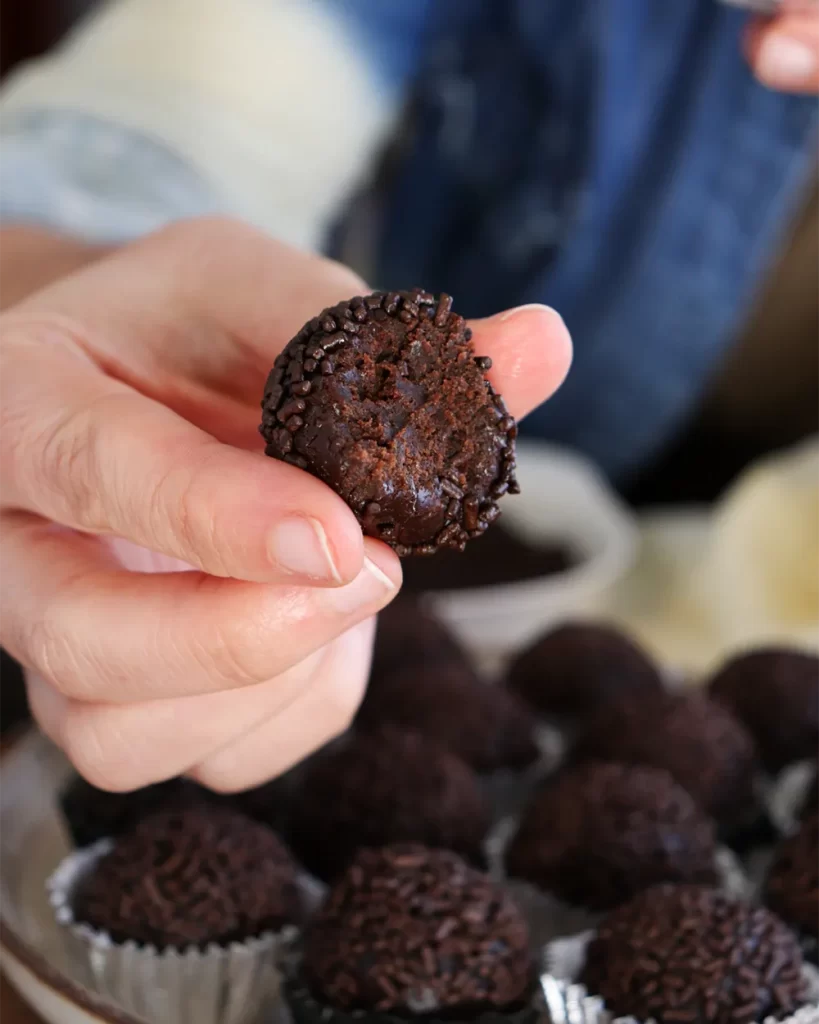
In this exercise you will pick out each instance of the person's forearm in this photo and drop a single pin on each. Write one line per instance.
(32, 257)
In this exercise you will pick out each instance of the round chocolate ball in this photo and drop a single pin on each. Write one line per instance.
(408, 929)
(384, 787)
(792, 886)
(571, 670)
(191, 876)
(408, 635)
(486, 726)
(598, 833)
(689, 953)
(384, 399)
(775, 693)
(702, 746)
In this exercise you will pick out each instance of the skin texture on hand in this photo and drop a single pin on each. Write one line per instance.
(130, 394)
(784, 50)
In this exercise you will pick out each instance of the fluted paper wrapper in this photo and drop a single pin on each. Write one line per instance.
(568, 1002)
(786, 797)
(235, 984)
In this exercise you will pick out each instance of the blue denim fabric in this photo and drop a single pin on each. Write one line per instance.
(617, 160)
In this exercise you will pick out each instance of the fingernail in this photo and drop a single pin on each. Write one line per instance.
(529, 307)
(371, 586)
(784, 61)
(299, 545)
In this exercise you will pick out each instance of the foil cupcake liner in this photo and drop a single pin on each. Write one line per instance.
(306, 1009)
(568, 1002)
(232, 984)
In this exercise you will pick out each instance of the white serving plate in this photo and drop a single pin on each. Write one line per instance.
(565, 499)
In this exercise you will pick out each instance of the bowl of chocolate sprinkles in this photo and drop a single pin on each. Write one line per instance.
(184, 916)
(411, 932)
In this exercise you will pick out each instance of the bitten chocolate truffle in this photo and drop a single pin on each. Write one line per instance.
(599, 833)
(775, 693)
(690, 955)
(408, 635)
(384, 787)
(571, 670)
(408, 929)
(792, 887)
(697, 741)
(189, 877)
(384, 399)
(486, 726)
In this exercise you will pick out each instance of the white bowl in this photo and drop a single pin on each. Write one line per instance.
(563, 499)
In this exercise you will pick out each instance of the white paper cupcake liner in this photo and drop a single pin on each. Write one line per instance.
(232, 984)
(785, 796)
(568, 1002)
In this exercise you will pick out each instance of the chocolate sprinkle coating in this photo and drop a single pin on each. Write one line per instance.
(698, 742)
(599, 833)
(408, 635)
(190, 877)
(792, 887)
(572, 669)
(775, 693)
(384, 787)
(486, 726)
(690, 955)
(412, 929)
(384, 399)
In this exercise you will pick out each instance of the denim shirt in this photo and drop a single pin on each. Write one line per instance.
(615, 159)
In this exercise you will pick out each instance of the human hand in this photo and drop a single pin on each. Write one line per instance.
(130, 403)
(784, 50)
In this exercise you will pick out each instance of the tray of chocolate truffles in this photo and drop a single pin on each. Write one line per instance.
(577, 839)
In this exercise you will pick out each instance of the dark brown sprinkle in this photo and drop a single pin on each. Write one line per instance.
(471, 507)
(391, 303)
(296, 460)
(189, 876)
(360, 313)
(405, 920)
(372, 509)
(310, 365)
(453, 490)
(483, 363)
(442, 310)
(327, 367)
(302, 387)
(314, 352)
(406, 317)
(328, 324)
(489, 513)
(468, 334)
(689, 953)
(295, 371)
(293, 407)
(294, 424)
(374, 301)
(500, 489)
(335, 341)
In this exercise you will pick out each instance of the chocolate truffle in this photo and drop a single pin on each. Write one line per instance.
(698, 742)
(384, 787)
(792, 887)
(408, 929)
(409, 635)
(191, 876)
(571, 670)
(486, 726)
(690, 955)
(384, 399)
(775, 693)
(599, 833)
